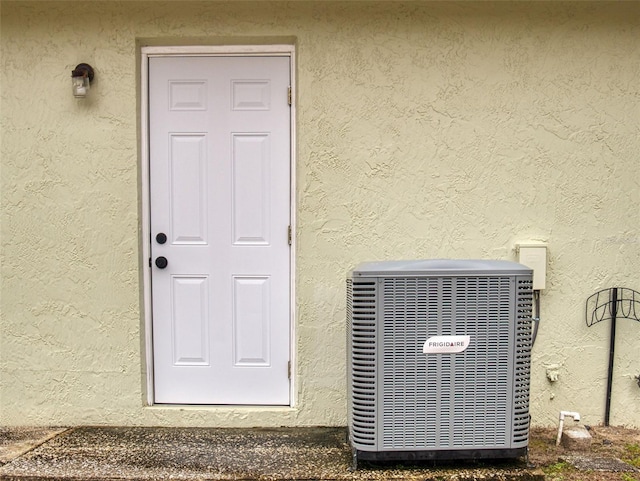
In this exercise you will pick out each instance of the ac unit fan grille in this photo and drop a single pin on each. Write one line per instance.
(361, 299)
(444, 401)
(522, 364)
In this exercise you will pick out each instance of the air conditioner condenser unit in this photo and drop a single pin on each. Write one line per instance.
(439, 359)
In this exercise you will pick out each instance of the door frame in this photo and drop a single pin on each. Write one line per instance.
(277, 50)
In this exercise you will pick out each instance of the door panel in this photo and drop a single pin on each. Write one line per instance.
(220, 175)
(188, 189)
(251, 340)
(190, 321)
(251, 190)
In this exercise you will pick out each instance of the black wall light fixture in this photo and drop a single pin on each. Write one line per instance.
(81, 78)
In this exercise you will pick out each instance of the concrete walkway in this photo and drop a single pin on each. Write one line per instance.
(119, 453)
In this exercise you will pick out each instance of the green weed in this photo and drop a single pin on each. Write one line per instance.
(556, 471)
(628, 477)
(632, 455)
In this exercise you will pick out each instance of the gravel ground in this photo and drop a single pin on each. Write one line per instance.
(139, 454)
(614, 455)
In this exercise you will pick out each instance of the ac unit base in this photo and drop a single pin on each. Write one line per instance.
(439, 455)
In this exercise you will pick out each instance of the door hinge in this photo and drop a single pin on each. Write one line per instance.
(289, 235)
(289, 96)
(289, 370)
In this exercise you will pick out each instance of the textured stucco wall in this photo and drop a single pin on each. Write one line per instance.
(424, 130)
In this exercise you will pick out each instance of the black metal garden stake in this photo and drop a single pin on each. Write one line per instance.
(610, 304)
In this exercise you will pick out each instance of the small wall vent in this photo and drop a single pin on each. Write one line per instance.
(467, 396)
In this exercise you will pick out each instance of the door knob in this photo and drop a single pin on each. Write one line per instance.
(161, 238)
(161, 262)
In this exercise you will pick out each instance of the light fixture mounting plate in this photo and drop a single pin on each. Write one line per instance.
(83, 69)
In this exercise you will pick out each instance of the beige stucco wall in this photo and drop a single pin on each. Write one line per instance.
(423, 130)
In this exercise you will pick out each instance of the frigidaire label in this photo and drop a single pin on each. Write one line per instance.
(444, 344)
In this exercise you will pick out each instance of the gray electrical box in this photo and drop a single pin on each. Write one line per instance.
(439, 359)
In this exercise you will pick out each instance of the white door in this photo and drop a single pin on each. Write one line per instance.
(219, 153)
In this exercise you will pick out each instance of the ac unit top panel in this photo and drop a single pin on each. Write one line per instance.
(440, 267)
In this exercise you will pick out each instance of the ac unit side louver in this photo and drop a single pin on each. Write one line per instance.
(439, 359)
